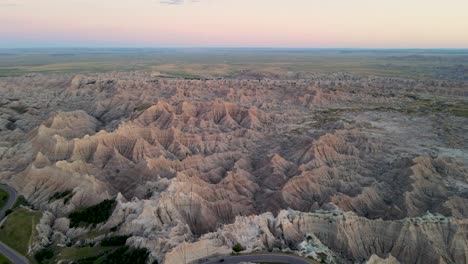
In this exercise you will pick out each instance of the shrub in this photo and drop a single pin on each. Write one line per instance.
(237, 248)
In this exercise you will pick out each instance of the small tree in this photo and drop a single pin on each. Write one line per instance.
(237, 248)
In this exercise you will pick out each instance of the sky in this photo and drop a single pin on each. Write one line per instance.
(235, 23)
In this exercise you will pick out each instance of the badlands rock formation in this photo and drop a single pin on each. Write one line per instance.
(338, 167)
(341, 237)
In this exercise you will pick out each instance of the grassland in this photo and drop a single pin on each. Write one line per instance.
(18, 229)
(196, 63)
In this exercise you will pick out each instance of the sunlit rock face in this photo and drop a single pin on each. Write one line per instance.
(368, 172)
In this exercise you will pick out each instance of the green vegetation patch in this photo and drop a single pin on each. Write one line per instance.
(126, 255)
(122, 255)
(4, 260)
(194, 64)
(437, 104)
(237, 248)
(142, 107)
(93, 215)
(44, 254)
(65, 195)
(459, 110)
(77, 253)
(55, 254)
(93, 234)
(19, 228)
(3, 198)
(21, 201)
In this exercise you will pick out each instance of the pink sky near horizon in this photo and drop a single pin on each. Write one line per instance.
(235, 23)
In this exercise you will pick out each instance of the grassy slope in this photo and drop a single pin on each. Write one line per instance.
(19, 228)
(74, 253)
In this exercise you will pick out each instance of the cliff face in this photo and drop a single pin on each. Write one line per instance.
(199, 165)
(426, 239)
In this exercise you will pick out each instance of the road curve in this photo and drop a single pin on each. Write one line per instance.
(270, 258)
(9, 253)
(12, 196)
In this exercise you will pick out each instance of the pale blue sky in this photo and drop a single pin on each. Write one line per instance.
(235, 23)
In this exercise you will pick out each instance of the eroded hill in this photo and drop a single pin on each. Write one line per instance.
(334, 166)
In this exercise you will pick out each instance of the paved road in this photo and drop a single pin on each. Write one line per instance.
(271, 258)
(5, 250)
(12, 255)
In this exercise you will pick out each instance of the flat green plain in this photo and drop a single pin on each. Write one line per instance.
(19, 228)
(218, 62)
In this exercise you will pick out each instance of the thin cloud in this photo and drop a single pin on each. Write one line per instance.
(176, 2)
(172, 2)
(8, 4)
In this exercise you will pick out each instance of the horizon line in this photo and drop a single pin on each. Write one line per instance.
(228, 47)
